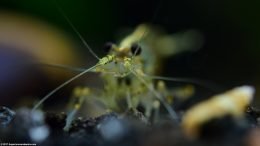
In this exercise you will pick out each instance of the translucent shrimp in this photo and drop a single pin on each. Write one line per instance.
(232, 102)
(129, 68)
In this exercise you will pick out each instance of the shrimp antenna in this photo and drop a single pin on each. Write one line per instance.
(172, 113)
(155, 15)
(70, 68)
(146, 31)
(62, 85)
(76, 31)
(208, 85)
(66, 67)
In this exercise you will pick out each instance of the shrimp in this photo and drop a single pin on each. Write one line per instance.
(129, 69)
(233, 103)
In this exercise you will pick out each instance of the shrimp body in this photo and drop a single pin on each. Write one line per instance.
(124, 69)
(233, 102)
(128, 68)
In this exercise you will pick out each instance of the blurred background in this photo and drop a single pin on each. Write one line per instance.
(33, 32)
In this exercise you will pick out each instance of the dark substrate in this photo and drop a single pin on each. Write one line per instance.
(129, 129)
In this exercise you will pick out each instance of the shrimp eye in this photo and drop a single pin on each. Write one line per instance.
(108, 47)
(136, 49)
